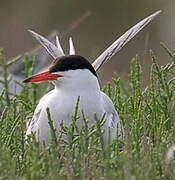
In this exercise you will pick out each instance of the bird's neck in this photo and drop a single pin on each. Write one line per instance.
(84, 83)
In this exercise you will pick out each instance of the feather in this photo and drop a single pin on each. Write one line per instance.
(50, 47)
(120, 42)
(71, 47)
(59, 45)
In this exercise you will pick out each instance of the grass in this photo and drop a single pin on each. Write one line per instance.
(148, 116)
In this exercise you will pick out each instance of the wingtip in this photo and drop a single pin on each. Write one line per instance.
(57, 39)
(70, 41)
(49, 46)
(157, 13)
(71, 47)
(34, 34)
(31, 32)
(70, 38)
(58, 44)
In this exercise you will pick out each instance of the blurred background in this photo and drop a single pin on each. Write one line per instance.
(94, 25)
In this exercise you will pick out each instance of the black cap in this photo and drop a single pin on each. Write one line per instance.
(72, 62)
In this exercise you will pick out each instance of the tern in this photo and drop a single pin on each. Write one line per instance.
(73, 76)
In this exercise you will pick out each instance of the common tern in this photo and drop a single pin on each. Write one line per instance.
(73, 76)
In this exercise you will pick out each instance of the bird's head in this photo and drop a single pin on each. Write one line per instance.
(67, 70)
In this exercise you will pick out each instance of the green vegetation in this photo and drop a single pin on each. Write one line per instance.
(148, 116)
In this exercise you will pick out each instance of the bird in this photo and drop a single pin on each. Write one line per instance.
(74, 76)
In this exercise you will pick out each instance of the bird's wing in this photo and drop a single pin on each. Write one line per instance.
(54, 51)
(120, 42)
(59, 45)
(112, 118)
(71, 47)
(32, 125)
(37, 113)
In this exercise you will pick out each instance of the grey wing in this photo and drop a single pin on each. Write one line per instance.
(54, 51)
(32, 125)
(120, 42)
(112, 118)
(36, 116)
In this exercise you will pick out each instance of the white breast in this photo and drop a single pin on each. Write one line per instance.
(62, 107)
(62, 101)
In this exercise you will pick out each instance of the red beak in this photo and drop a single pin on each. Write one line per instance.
(45, 76)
